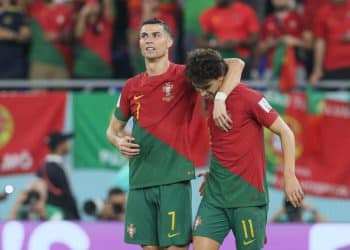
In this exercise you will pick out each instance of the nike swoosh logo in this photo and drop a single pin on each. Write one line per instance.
(246, 243)
(137, 97)
(173, 235)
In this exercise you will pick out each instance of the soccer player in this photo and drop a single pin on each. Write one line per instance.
(235, 193)
(162, 102)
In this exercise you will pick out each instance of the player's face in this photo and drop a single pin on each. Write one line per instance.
(212, 87)
(154, 41)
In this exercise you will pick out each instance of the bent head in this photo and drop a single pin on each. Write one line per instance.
(155, 39)
(206, 69)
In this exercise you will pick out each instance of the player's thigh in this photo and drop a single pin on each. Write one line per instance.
(176, 248)
(249, 227)
(141, 219)
(175, 215)
(204, 243)
(151, 248)
(211, 223)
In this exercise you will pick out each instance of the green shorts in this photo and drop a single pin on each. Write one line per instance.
(160, 215)
(247, 223)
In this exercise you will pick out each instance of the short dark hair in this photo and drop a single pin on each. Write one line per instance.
(115, 191)
(159, 22)
(203, 65)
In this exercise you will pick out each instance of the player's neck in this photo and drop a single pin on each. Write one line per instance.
(157, 67)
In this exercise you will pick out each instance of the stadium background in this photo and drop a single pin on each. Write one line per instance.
(91, 180)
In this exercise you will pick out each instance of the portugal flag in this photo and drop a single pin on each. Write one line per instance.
(320, 122)
(25, 121)
(284, 67)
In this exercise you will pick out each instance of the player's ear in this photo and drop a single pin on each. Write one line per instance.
(170, 41)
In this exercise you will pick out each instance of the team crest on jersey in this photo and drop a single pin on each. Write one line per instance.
(167, 89)
(197, 222)
(131, 230)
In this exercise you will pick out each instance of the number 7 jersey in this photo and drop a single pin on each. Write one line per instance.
(165, 125)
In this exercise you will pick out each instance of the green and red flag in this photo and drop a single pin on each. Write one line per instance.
(320, 123)
(91, 116)
(25, 121)
(284, 67)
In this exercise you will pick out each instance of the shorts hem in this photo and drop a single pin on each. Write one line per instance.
(140, 242)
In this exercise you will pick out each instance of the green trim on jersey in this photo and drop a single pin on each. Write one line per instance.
(88, 64)
(225, 189)
(42, 50)
(118, 113)
(157, 163)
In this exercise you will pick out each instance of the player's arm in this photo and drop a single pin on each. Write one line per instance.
(292, 188)
(232, 79)
(117, 136)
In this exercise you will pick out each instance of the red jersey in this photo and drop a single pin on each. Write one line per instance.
(292, 25)
(163, 109)
(332, 23)
(52, 18)
(311, 8)
(237, 170)
(167, 14)
(98, 38)
(235, 22)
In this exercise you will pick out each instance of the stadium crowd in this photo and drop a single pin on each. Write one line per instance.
(92, 39)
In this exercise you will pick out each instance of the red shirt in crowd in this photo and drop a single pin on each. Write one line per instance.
(167, 14)
(98, 38)
(292, 25)
(235, 22)
(332, 24)
(54, 18)
(311, 8)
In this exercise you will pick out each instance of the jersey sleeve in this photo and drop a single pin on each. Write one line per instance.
(122, 110)
(260, 109)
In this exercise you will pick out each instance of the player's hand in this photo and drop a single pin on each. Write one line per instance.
(205, 176)
(127, 146)
(293, 191)
(220, 116)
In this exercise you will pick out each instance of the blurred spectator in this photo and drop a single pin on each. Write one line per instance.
(114, 207)
(283, 28)
(14, 33)
(93, 32)
(50, 52)
(311, 8)
(54, 173)
(31, 204)
(192, 11)
(141, 10)
(111, 209)
(332, 42)
(305, 213)
(232, 28)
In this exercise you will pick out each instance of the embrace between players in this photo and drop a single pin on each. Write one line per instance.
(162, 102)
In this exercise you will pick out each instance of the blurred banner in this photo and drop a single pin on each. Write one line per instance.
(321, 124)
(25, 121)
(91, 116)
(63, 235)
